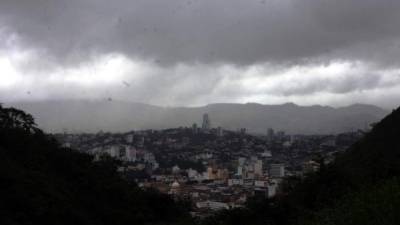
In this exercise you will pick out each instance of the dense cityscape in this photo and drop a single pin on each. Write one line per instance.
(211, 167)
(199, 112)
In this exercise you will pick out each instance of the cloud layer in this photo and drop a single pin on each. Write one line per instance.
(191, 52)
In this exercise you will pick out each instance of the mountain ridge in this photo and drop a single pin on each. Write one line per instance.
(119, 116)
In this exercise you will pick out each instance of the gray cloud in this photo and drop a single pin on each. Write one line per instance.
(235, 31)
(201, 84)
(192, 52)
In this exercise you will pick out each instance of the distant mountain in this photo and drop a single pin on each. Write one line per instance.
(92, 116)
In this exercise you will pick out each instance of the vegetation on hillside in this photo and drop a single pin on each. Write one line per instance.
(362, 186)
(43, 183)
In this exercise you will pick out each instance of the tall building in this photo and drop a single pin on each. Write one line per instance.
(280, 134)
(206, 122)
(129, 138)
(258, 167)
(250, 168)
(220, 132)
(270, 134)
(240, 171)
(211, 173)
(277, 170)
(131, 154)
(194, 128)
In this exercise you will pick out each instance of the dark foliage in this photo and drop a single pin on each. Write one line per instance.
(360, 187)
(43, 183)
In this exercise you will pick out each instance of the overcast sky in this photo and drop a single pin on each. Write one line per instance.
(194, 52)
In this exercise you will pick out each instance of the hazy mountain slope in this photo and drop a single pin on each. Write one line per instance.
(361, 186)
(122, 116)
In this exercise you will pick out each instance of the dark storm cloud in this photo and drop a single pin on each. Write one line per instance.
(193, 52)
(227, 31)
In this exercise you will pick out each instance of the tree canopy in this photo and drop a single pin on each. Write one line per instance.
(44, 183)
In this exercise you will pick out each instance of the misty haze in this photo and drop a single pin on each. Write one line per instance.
(200, 112)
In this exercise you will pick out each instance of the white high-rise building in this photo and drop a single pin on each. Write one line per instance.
(206, 122)
(240, 171)
(272, 188)
(258, 168)
(131, 154)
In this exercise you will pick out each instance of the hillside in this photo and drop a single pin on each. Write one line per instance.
(42, 183)
(362, 186)
(46, 184)
(365, 180)
(92, 116)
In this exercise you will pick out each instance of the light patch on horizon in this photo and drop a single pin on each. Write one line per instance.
(104, 71)
(118, 77)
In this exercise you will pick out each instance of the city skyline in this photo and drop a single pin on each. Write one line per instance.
(200, 112)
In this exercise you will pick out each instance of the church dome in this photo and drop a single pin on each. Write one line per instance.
(175, 184)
